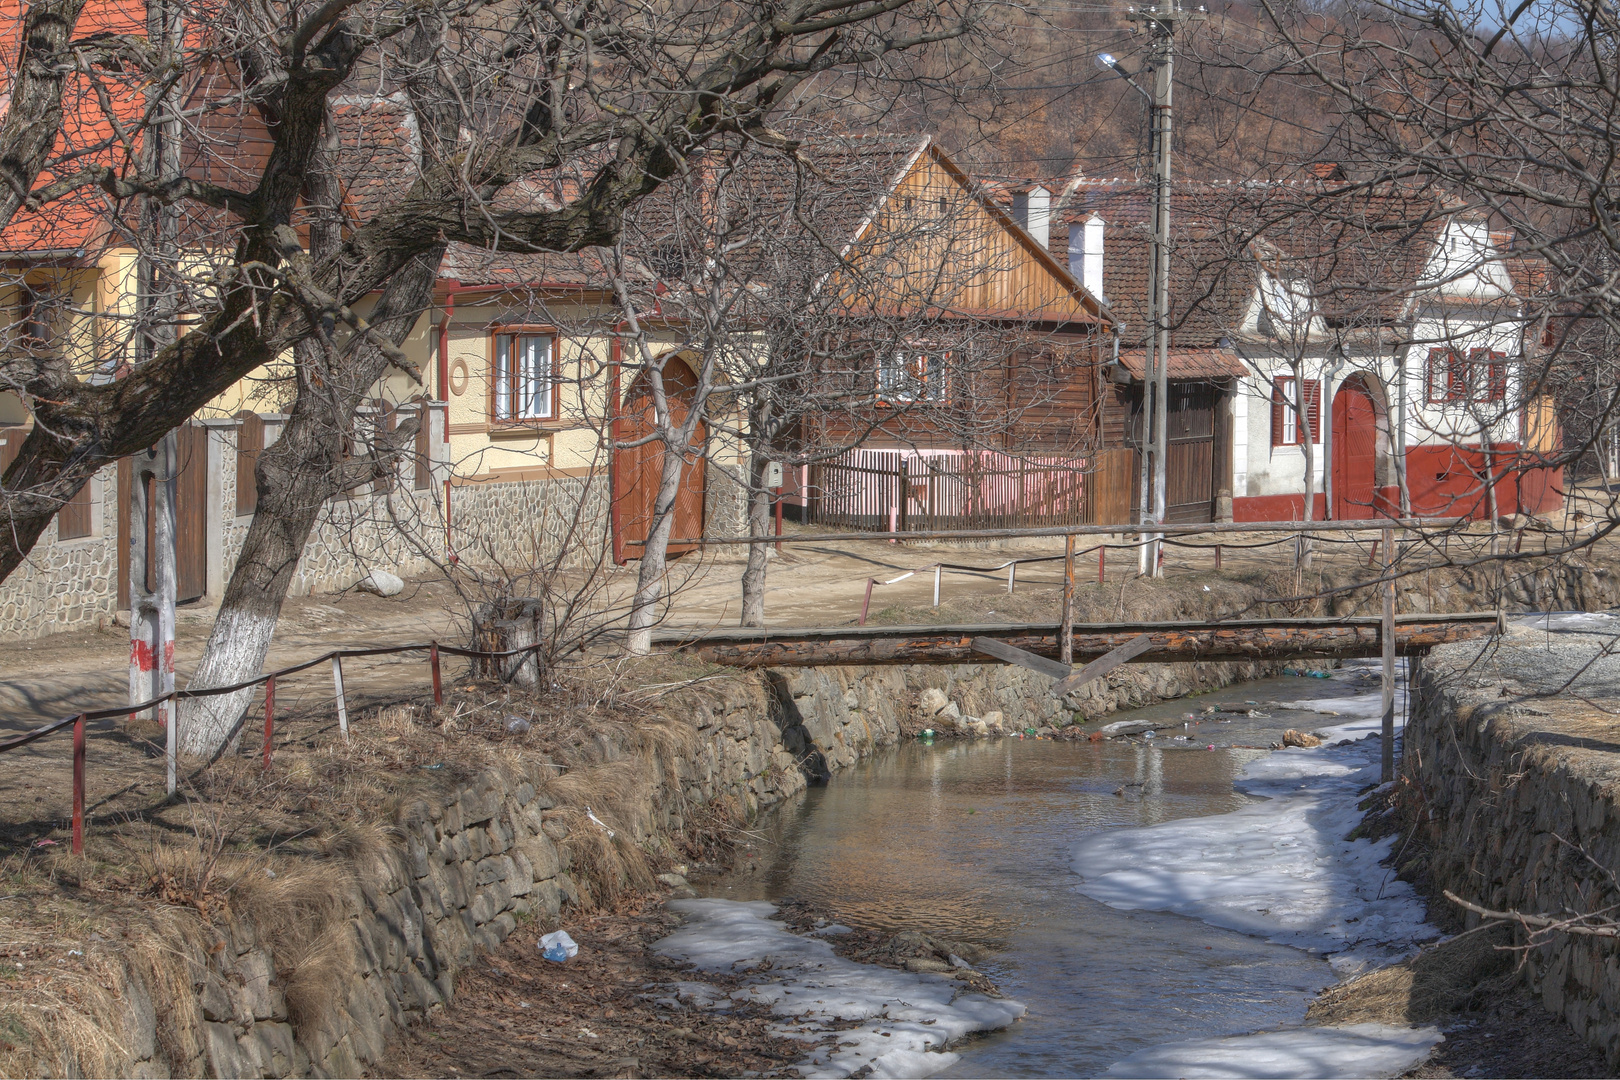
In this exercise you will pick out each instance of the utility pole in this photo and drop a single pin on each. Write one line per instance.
(1162, 22)
(153, 574)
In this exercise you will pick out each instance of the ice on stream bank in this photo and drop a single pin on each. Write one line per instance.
(1279, 868)
(1354, 1050)
(905, 1020)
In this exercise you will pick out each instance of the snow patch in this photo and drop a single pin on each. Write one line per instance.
(906, 1020)
(1280, 868)
(1572, 621)
(1351, 1051)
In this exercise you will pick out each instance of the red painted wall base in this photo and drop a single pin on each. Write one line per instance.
(1276, 507)
(1446, 481)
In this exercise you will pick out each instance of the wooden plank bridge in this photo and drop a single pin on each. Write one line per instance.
(1170, 642)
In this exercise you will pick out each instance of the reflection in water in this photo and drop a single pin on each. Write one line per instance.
(972, 840)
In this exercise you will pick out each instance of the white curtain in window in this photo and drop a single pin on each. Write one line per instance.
(535, 367)
(503, 377)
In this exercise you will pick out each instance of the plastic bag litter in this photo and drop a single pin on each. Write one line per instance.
(558, 946)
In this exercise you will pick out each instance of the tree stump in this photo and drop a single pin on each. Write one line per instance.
(503, 625)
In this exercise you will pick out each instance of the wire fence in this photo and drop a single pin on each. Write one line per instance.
(158, 706)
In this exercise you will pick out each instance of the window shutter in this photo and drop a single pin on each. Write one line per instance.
(1458, 384)
(1496, 372)
(1279, 404)
(1435, 377)
(1313, 408)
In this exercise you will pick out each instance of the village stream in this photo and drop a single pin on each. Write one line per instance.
(976, 841)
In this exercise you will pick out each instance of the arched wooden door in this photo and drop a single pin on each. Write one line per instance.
(637, 470)
(1355, 451)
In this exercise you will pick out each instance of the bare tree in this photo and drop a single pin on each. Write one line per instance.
(605, 101)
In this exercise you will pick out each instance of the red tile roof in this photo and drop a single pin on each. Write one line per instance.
(71, 224)
(1188, 363)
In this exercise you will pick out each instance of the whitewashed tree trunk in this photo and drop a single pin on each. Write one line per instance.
(655, 557)
(759, 524)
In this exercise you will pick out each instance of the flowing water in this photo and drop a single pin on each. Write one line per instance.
(972, 840)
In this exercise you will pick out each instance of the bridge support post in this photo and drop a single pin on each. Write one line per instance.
(1386, 635)
(1066, 634)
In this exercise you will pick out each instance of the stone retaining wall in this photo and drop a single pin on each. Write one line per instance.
(1513, 801)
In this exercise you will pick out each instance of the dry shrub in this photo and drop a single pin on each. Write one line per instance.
(1455, 976)
(604, 867)
(303, 912)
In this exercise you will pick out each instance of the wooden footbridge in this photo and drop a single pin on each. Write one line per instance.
(1053, 648)
(1167, 642)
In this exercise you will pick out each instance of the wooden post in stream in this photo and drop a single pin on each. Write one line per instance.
(1066, 634)
(1386, 635)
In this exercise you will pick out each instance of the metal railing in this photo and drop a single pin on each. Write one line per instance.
(267, 680)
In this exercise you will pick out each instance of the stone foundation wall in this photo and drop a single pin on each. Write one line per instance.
(1514, 803)
(66, 584)
(527, 523)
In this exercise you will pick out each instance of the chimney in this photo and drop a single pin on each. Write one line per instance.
(1032, 210)
(1086, 255)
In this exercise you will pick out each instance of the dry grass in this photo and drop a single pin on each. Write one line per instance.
(1460, 974)
(285, 851)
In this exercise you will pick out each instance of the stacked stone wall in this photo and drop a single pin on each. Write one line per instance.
(1514, 804)
(66, 584)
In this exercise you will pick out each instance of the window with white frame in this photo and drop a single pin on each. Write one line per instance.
(912, 375)
(1285, 403)
(525, 377)
(1479, 376)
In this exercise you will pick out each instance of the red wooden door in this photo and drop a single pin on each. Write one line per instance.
(638, 470)
(1355, 452)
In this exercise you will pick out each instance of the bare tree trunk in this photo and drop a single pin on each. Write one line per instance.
(654, 555)
(759, 524)
(296, 476)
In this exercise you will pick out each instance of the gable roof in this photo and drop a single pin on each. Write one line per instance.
(1360, 252)
(835, 190)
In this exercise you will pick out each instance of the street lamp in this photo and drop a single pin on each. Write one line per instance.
(1108, 62)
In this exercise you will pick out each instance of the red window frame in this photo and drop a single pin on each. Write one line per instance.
(1480, 376)
(1488, 373)
(1282, 408)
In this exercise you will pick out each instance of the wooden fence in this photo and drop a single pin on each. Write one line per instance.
(919, 490)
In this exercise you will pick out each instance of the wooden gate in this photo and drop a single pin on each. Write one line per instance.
(191, 520)
(1191, 451)
(1355, 452)
(1112, 482)
(637, 470)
